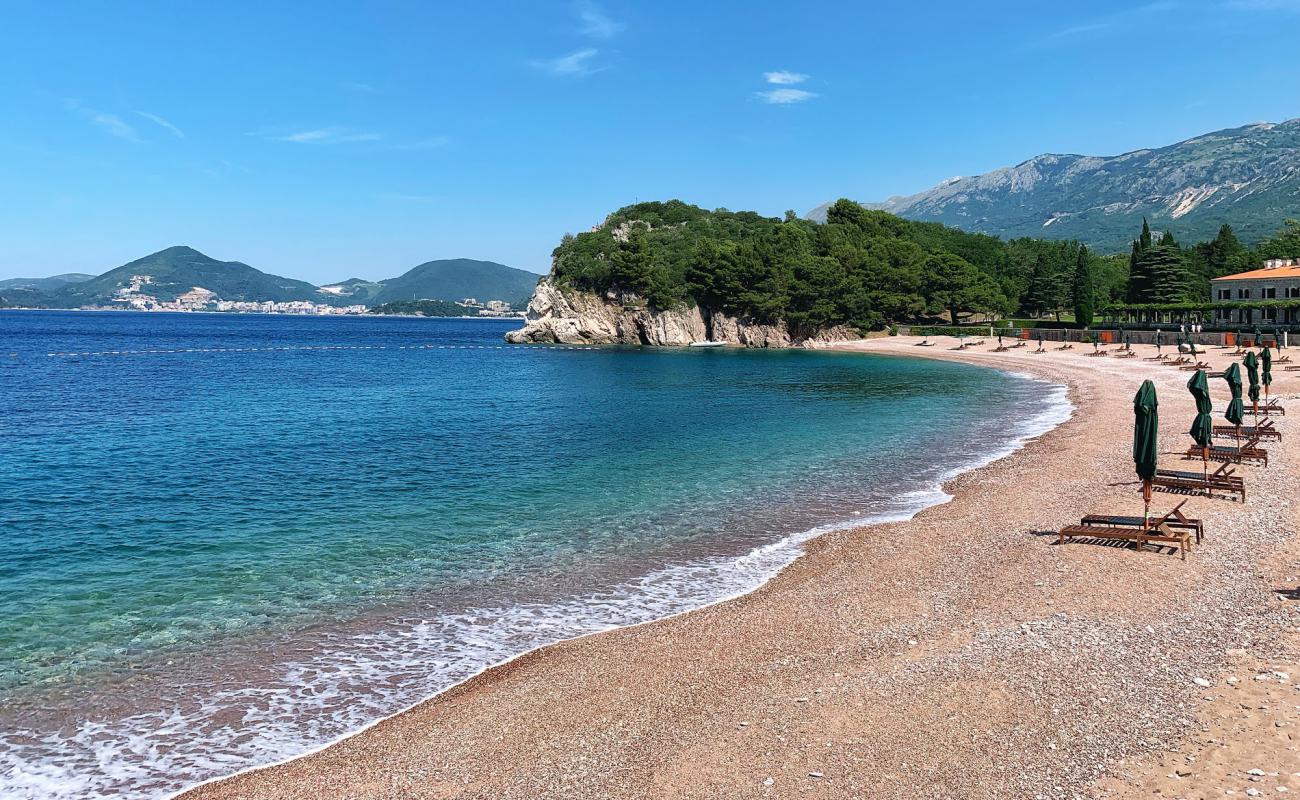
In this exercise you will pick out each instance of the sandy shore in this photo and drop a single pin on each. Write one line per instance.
(960, 654)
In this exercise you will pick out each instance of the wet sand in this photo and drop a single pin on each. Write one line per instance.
(962, 653)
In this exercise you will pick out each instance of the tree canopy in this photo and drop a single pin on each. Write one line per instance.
(868, 268)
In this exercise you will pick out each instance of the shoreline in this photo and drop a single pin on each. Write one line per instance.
(787, 551)
(262, 781)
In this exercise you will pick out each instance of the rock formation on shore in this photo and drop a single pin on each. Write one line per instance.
(559, 315)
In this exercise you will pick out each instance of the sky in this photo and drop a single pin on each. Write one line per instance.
(329, 140)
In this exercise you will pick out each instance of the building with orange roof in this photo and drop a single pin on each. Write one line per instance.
(1278, 279)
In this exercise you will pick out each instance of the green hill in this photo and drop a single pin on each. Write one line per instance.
(1246, 177)
(458, 278)
(177, 270)
(45, 284)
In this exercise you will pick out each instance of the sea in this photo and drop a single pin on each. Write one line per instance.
(228, 540)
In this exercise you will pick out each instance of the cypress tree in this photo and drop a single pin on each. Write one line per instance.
(1139, 278)
(1082, 291)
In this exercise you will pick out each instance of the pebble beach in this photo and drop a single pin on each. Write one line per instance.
(962, 653)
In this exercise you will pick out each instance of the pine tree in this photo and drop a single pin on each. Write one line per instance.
(1038, 294)
(1167, 268)
(1082, 291)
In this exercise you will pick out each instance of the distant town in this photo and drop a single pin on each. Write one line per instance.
(135, 297)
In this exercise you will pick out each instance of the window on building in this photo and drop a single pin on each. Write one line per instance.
(1268, 293)
(1243, 294)
(1269, 313)
(1292, 292)
(1224, 294)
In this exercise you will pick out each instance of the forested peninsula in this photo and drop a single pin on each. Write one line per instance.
(674, 273)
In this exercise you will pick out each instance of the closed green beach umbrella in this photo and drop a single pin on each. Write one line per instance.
(1203, 425)
(1146, 429)
(1236, 409)
(1157, 341)
(1252, 375)
(1266, 359)
(1259, 338)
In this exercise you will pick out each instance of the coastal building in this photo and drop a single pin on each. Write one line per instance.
(1278, 279)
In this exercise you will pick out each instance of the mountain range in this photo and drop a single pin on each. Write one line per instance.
(1247, 177)
(176, 271)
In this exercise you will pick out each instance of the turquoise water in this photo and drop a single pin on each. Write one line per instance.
(230, 539)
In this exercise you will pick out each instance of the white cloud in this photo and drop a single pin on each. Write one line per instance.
(360, 86)
(784, 77)
(431, 143)
(109, 123)
(574, 64)
(157, 120)
(596, 23)
(327, 136)
(784, 96)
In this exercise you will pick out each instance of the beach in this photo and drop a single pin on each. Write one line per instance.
(961, 653)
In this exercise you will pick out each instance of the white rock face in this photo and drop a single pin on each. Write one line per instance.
(560, 316)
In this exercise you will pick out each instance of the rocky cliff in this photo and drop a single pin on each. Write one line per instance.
(557, 315)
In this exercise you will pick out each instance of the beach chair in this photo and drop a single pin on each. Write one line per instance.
(1223, 480)
(1127, 354)
(1174, 519)
(1177, 362)
(1097, 353)
(925, 343)
(1161, 357)
(1196, 366)
(1020, 343)
(1269, 407)
(1151, 529)
(1248, 452)
(1264, 430)
(1283, 360)
(1065, 346)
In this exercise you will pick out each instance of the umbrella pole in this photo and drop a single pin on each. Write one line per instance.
(1146, 511)
(1205, 468)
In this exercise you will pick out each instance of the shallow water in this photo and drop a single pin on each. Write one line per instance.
(229, 539)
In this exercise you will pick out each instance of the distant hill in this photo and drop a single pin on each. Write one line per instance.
(458, 278)
(44, 284)
(177, 270)
(1248, 177)
(354, 290)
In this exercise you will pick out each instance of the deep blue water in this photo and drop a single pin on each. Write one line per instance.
(227, 539)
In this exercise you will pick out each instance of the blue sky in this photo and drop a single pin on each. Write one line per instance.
(333, 139)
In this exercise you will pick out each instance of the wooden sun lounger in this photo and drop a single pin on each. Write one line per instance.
(1283, 360)
(1127, 354)
(1160, 357)
(1175, 520)
(924, 344)
(1270, 407)
(1222, 480)
(1154, 529)
(1177, 362)
(1246, 453)
(1264, 430)
(1066, 346)
(1021, 343)
(1197, 365)
(1097, 353)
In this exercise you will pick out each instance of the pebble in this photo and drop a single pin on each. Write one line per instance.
(1201, 682)
(815, 775)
